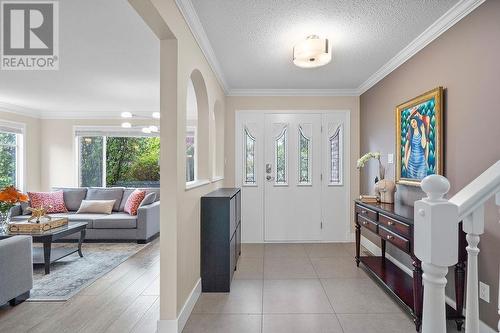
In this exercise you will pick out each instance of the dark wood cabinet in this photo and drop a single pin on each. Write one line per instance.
(220, 238)
(393, 223)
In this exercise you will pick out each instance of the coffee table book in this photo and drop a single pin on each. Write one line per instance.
(31, 227)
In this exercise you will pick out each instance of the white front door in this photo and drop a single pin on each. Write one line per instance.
(292, 191)
(291, 167)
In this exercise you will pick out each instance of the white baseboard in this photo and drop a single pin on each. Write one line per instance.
(177, 325)
(370, 246)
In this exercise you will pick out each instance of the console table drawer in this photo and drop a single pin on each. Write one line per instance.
(370, 225)
(395, 239)
(365, 212)
(392, 224)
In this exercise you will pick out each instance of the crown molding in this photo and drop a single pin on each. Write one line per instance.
(19, 110)
(442, 24)
(48, 114)
(193, 21)
(293, 92)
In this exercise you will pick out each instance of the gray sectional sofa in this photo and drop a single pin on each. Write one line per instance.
(16, 269)
(118, 226)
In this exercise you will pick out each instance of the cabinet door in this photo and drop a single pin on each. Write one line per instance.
(238, 207)
(238, 242)
(232, 257)
(232, 216)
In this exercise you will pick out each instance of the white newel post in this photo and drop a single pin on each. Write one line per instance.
(436, 245)
(473, 225)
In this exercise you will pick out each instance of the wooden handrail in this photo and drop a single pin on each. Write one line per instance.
(478, 191)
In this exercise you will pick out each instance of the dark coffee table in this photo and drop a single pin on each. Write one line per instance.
(48, 255)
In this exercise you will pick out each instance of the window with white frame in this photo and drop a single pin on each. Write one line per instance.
(114, 157)
(11, 155)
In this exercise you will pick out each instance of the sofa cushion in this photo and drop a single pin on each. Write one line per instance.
(155, 190)
(148, 199)
(111, 193)
(116, 221)
(134, 201)
(96, 206)
(24, 208)
(72, 217)
(73, 197)
(126, 193)
(53, 202)
(89, 218)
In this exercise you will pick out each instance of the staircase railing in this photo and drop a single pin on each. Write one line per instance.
(436, 242)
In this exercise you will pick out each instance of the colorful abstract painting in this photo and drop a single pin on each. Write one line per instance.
(418, 138)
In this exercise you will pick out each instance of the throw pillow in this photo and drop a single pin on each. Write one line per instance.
(134, 201)
(53, 202)
(96, 207)
(148, 199)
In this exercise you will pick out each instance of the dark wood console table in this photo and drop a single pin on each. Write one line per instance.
(393, 223)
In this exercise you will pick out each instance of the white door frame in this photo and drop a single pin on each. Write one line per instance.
(346, 154)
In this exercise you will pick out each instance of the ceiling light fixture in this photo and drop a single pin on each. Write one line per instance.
(145, 129)
(312, 52)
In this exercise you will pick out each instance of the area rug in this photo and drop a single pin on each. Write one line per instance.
(71, 274)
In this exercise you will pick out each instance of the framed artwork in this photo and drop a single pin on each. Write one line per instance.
(419, 138)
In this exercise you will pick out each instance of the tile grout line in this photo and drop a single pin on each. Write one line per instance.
(326, 294)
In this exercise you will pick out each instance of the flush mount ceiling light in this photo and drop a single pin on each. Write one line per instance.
(145, 129)
(312, 52)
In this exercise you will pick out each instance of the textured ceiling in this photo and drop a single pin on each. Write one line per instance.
(253, 39)
(109, 62)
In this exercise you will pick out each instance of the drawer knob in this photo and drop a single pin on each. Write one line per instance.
(391, 223)
(389, 237)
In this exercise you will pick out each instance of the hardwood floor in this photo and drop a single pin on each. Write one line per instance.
(124, 300)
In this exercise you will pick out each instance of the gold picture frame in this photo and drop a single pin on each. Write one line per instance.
(419, 137)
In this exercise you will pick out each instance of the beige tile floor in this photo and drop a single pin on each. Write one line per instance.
(297, 288)
(292, 288)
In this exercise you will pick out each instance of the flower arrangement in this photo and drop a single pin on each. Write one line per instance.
(368, 156)
(9, 197)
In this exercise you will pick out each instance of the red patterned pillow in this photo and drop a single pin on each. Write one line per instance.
(134, 201)
(52, 201)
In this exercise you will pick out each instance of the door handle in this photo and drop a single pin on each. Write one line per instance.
(269, 178)
(269, 168)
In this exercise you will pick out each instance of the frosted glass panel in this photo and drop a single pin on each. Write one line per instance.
(304, 155)
(281, 157)
(336, 156)
(249, 162)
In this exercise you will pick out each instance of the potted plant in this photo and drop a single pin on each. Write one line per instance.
(9, 197)
(368, 156)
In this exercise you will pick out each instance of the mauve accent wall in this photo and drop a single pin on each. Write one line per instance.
(465, 60)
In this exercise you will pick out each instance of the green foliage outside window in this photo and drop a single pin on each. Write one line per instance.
(8, 168)
(130, 161)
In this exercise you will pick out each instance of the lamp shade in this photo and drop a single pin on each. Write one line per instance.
(312, 52)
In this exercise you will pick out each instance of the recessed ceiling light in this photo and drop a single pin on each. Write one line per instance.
(156, 115)
(126, 125)
(126, 114)
(146, 130)
(153, 128)
(312, 52)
